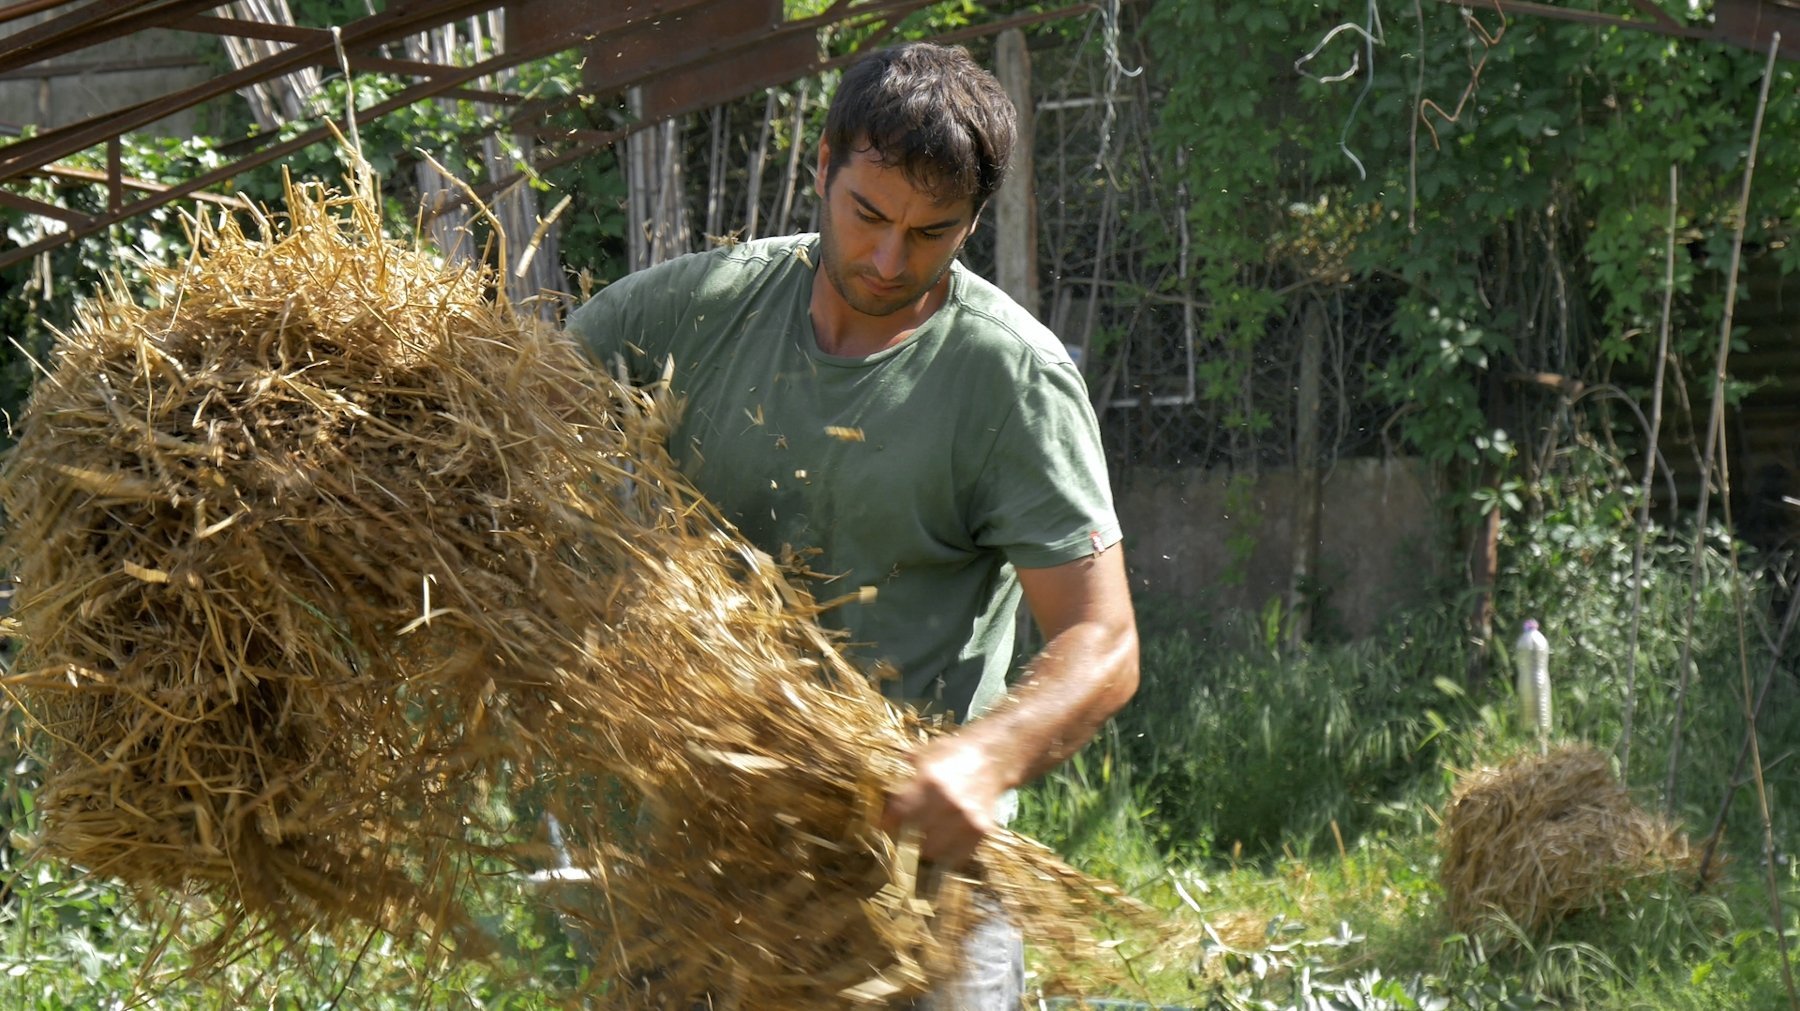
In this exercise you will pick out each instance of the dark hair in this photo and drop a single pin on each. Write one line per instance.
(930, 110)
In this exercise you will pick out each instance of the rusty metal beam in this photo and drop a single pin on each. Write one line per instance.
(1656, 13)
(71, 173)
(100, 21)
(876, 10)
(60, 27)
(490, 97)
(267, 31)
(387, 65)
(541, 45)
(362, 33)
(26, 8)
(75, 219)
(590, 141)
(404, 98)
(448, 80)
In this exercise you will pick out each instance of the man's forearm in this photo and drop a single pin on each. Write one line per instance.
(1084, 675)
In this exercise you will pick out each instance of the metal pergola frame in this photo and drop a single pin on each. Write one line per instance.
(557, 25)
(577, 24)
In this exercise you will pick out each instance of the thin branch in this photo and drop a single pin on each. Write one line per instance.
(1777, 910)
(1412, 139)
(754, 189)
(791, 177)
(1650, 455)
(715, 173)
(1737, 770)
(1714, 436)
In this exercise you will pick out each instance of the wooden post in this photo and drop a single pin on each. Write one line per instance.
(115, 184)
(1484, 563)
(1015, 205)
(1302, 578)
(1015, 210)
(655, 214)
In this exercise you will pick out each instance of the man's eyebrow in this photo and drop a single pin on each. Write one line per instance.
(878, 213)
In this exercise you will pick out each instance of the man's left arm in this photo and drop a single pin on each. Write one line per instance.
(1087, 670)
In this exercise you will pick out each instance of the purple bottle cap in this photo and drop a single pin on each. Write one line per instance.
(1531, 624)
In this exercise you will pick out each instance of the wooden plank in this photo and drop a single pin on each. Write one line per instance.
(1015, 205)
(1303, 572)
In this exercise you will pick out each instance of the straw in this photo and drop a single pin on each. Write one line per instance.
(1541, 838)
(336, 578)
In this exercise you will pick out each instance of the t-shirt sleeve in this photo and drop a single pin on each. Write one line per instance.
(627, 324)
(1042, 498)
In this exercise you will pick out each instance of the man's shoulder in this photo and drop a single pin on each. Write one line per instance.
(724, 269)
(732, 264)
(993, 320)
(775, 249)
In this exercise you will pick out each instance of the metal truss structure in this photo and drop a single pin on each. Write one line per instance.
(681, 55)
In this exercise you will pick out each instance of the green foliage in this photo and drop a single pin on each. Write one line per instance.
(69, 940)
(1216, 723)
(1548, 188)
(1330, 766)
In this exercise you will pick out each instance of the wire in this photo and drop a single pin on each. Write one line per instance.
(1109, 41)
(1373, 35)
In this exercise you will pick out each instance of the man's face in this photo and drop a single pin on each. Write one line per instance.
(885, 243)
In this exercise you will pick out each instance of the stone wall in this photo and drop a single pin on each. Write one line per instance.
(1192, 535)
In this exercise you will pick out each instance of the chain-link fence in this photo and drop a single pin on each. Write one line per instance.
(1118, 262)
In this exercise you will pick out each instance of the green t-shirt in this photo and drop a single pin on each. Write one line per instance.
(928, 470)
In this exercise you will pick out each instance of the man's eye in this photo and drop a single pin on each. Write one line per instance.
(870, 218)
(931, 236)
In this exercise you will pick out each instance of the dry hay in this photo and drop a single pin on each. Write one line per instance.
(329, 566)
(1542, 837)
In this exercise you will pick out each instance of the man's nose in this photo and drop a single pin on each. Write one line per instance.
(890, 254)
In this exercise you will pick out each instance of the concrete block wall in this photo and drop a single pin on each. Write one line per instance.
(1190, 535)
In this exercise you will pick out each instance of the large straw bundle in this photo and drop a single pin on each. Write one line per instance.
(327, 563)
(1542, 837)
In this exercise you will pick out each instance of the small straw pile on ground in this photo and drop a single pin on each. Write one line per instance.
(1543, 837)
(335, 577)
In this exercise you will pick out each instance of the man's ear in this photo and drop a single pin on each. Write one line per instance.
(824, 168)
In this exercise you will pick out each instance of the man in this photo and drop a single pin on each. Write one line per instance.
(860, 396)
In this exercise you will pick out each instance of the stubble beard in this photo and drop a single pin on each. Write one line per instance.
(844, 280)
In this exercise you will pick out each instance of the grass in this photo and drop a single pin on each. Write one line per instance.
(1295, 796)
(1280, 806)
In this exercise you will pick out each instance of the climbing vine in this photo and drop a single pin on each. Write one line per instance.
(1502, 183)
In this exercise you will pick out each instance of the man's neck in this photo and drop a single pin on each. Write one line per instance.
(846, 333)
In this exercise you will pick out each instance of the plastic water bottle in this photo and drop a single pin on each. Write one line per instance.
(1532, 655)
